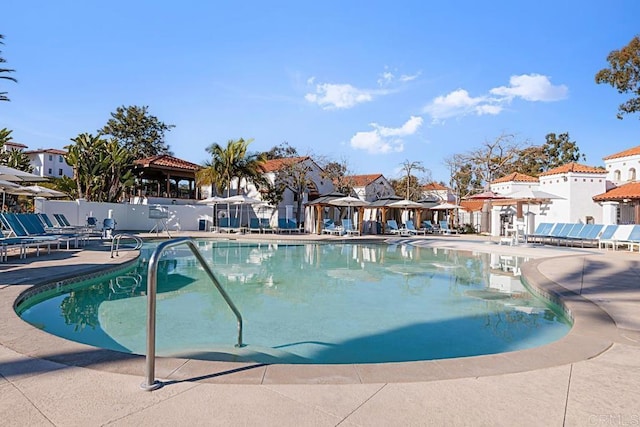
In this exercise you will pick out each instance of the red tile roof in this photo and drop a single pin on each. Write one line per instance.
(166, 161)
(625, 191)
(47, 150)
(472, 205)
(515, 177)
(362, 180)
(277, 164)
(434, 186)
(630, 152)
(574, 167)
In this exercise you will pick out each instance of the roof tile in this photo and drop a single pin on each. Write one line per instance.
(626, 153)
(168, 161)
(515, 177)
(630, 190)
(574, 167)
(277, 164)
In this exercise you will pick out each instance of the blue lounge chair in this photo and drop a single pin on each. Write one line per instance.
(412, 228)
(445, 229)
(392, 228)
(428, 226)
(606, 235)
(542, 231)
(632, 240)
(330, 227)
(35, 228)
(265, 225)
(348, 227)
(10, 222)
(254, 225)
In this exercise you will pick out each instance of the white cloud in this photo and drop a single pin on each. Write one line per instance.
(384, 139)
(338, 96)
(529, 87)
(532, 87)
(407, 78)
(459, 103)
(385, 78)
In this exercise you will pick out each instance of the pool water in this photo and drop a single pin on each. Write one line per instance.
(309, 303)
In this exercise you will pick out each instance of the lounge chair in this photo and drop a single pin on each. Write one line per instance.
(254, 225)
(633, 240)
(428, 226)
(34, 227)
(347, 226)
(392, 228)
(606, 235)
(621, 234)
(329, 227)
(265, 225)
(412, 228)
(288, 225)
(444, 228)
(543, 230)
(570, 233)
(588, 234)
(19, 233)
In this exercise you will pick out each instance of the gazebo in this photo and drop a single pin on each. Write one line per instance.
(160, 176)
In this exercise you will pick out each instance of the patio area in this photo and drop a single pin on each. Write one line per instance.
(588, 377)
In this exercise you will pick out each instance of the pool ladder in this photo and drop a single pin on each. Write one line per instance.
(115, 242)
(152, 283)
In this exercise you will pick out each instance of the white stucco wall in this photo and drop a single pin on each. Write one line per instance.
(577, 191)
(621, 170)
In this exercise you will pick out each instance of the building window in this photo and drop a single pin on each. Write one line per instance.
(50, 157)
(632, 174)
(50, 171)
(60, 159)
(616, 175)
(60, 172)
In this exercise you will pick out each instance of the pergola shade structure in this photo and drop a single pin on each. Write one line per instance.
(161, 176)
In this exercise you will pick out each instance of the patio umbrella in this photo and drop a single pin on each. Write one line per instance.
(212, 201)
(7, 186)
(350, 202)
(530, 195)
(486, 195)
(406, 204)
(16, 175)
(39, 191)
(242, 199)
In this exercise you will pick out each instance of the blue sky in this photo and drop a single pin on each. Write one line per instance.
(372, 83)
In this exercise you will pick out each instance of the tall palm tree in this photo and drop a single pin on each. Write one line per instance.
(3, 72)
(230, 163)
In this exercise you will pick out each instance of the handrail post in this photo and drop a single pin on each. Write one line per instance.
(151, 383)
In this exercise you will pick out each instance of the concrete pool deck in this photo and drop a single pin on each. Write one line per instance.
(590, 377)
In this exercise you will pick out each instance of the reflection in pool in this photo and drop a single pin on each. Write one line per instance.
(309, 303)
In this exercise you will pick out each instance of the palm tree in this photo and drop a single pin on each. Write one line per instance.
(3, 72)
(230, 163)
(18, 160)
(82, 157)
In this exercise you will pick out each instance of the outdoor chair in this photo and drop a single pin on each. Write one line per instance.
(412, 228)
(348, 227)
(329, 227)
(444, 228)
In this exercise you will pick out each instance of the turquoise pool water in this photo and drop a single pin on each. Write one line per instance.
(309, 303)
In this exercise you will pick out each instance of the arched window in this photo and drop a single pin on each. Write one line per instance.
(616, 175)
(632, 174)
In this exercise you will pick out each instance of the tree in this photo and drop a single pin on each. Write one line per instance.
(101, 168)
(230, 163)
(295, 174)
(18, 160)
(137, 131)
(624, 75)
(557, 150)
(471, 172)
(4, 73)
(412, 188)
(281, 151)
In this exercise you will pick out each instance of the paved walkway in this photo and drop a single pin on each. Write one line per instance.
(590, 377)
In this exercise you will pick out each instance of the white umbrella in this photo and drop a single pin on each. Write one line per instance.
(242, 199)
(44, 191)
(7, 186)
(350, 202)
(16, 175)
(529, 194)
(212, 201)
(406, 204)
(445, 206)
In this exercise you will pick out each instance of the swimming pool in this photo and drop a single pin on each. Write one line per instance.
(309, 303)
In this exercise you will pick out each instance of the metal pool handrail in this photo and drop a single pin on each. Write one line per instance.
(152, 284)
(115, 242)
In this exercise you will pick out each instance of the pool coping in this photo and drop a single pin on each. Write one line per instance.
(593, 332)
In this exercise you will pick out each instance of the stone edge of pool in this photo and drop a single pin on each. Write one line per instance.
(592, 333)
